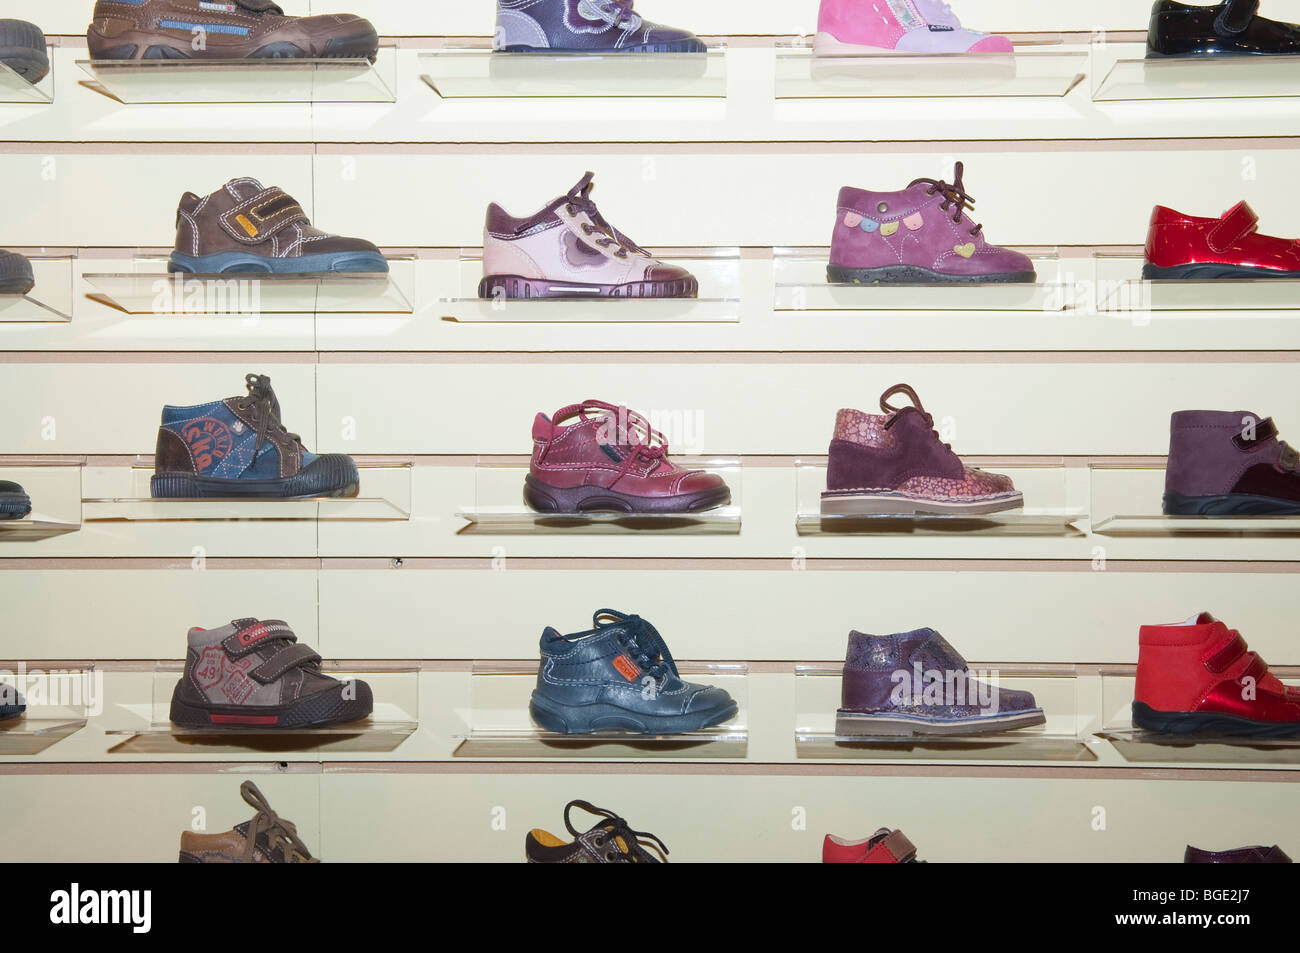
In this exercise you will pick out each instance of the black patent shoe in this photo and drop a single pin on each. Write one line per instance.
(1231, 28)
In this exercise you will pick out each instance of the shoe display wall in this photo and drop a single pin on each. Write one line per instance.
(1039, 488)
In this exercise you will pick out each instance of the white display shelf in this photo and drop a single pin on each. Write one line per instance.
(59, 698)
(15, 89)
(1128, 501)
(49, 301)
(240, 81)
(480, 73)
(1032, 72)
(1147, 747)
(32, 530)
(1218, 77)
(151, 290)
(499, 725)
(1120, 288)
(801, 285)
(395, 718)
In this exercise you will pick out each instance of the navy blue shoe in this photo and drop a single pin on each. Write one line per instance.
(14, 501)
(620, 676)
(585, 26)
(12, 704)
(238, 448)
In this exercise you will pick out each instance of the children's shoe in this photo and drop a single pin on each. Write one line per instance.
(610, 841)
(1229, 463)
(921, 235)
(882, 847)
(1238, 855)
(569, 250)
(266, 839)
(620, 676)
(16, 276)
(12, 703)
(898, 26)
(915, 683)
(897, 464)
(246, 228)
(585, 26)
(237, 448)
(223, 30)
(1200, 678)
(1230, 28)
(1230, 246)
(15, 504)
(252, 674)
(610, 459)
(22, 49)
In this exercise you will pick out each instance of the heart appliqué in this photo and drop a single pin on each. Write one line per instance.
(965, 250)
(914, 221)
(888, 228)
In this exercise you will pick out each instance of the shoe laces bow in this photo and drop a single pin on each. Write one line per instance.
(619, 835)
(955, 196)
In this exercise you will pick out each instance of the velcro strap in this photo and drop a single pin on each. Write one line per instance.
(1236, 17)
(1234, 225)
(1264, 431)
(1221, 659)
(896, 845)
(289, 657)
(257, 219)
(250, 633)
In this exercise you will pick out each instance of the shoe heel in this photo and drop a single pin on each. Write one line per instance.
(188, 716)
(548, 720)
(171, 486)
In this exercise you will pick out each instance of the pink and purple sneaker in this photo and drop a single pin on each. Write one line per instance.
(898, 26)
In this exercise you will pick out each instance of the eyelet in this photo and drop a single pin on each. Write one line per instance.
(598, 841)
(610, 857)
(882, 207)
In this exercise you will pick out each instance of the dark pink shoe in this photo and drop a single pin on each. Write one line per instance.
(611, 459)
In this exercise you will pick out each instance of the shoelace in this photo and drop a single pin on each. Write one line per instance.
(261, 404)
(632, 433)
(619, 11)
(644, 643)
(955, 196)
(578, 199)
(279, 832)
(894, 412)
(622, 840)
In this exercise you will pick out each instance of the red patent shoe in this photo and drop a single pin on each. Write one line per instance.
(1230, 246)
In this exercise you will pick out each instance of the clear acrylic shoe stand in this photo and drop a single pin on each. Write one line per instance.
(1047, 513)
(499, 508)
(1034, 71)
(1063, 738)
(499, 726)
(1125, 78)
(60, 697)
(1138, 746)
(149, 289)
(477, 72)
(55, 491)
(718, 301)
(395, 718)
(245, 80)
(15, 89)
(49, 301)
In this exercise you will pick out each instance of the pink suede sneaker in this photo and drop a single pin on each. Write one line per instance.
(898, 26)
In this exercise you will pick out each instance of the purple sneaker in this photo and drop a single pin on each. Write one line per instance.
(568, 250)
(585, 26)
(1229, 463)
(919, 235)
(915, 683)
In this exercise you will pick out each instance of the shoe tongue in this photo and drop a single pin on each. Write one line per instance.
(261, 6)
(244, 188)
(936, 14)
(1203, 618)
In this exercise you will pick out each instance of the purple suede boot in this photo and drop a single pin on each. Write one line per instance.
(1229, 463)
(1238, 855)
(915, 683)
(896, 464)
(919, 235)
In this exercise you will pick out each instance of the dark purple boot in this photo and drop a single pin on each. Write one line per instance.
(1229, 463)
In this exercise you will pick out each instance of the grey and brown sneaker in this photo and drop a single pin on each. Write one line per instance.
(16, 276)
(266, 839)
(252, 674)
(22, 49)
(247, 228)
(610, 841)
(223, 30)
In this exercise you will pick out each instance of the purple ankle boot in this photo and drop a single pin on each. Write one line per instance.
(915, 683)
(919, 235)
(1229, 463)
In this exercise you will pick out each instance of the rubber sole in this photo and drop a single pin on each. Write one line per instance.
(1209, 270)
(515, 287)
(16, 276)
(323, 708)
(897, 504)
(544, 498)
(14, 506)
(143, 45)
(856, 724)
(1229, 504)
(1209, 724)
(916, 275)
(675, 46)
(22, 49)
(243, 263)
(331, 475)
(586, 719)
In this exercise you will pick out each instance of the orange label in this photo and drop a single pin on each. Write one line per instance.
(248, 226)
(626, 667)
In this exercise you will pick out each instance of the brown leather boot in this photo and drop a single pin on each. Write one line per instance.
(266, 839)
